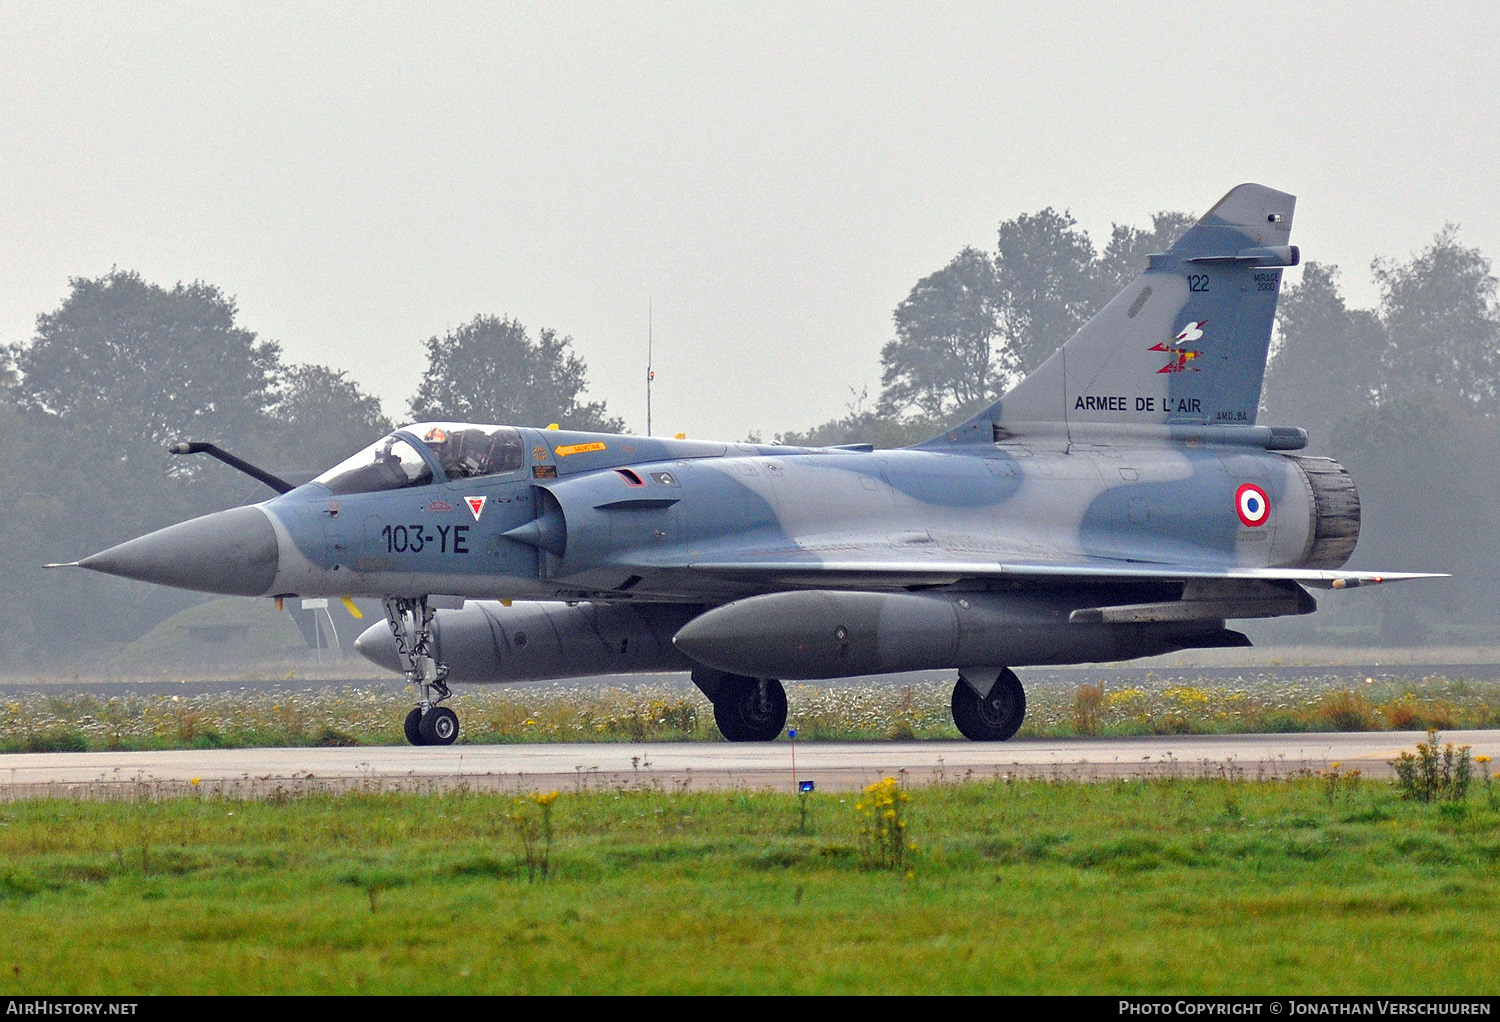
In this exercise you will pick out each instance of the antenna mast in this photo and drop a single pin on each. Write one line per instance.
(650, 374)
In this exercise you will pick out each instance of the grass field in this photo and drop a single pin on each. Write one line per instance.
(1328, 884)
(44, 721)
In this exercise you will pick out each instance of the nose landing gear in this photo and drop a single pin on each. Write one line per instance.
(411, 625)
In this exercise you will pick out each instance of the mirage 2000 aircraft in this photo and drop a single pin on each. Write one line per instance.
(1119, 502)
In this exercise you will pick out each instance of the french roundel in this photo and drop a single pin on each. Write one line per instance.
(1253, 505)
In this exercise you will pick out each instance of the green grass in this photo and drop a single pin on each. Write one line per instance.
(1131, 887)
(657, 712)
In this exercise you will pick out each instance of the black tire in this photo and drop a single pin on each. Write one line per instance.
(751, 709)
(413, 727)
(994, 718)
(439, 726)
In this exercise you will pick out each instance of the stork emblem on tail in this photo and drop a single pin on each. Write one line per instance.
(1182, 355)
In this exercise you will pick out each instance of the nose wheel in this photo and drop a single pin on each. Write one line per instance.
(413, 727)
(439, 726)
(411, 624)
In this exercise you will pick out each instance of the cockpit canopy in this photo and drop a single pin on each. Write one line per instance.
(408, 457)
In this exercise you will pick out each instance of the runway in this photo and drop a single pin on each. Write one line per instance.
(697, 766)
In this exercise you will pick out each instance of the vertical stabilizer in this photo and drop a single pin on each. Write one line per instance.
(1185, 343)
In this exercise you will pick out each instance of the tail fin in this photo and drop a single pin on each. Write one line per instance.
(1185, 343)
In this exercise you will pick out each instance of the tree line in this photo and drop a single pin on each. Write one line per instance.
(1401, 393)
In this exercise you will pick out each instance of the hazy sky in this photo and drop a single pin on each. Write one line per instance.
(775, 177)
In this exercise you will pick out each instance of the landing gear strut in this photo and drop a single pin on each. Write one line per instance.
(411, 624)
(992, 717)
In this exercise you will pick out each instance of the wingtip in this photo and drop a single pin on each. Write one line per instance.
(66, 564)
(1356, 580)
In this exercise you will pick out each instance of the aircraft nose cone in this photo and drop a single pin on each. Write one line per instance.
(378, 645)
(232, 552)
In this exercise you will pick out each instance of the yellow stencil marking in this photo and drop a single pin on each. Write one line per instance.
(563, 452)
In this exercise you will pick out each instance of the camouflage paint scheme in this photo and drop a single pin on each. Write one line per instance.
(1120, 501)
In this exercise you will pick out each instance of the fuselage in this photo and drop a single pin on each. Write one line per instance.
(612, 517)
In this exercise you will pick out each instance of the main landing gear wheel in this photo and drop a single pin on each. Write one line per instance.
(991, 718)
(750, 709)
(439, 726)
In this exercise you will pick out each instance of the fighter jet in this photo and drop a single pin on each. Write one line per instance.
(1119, 502)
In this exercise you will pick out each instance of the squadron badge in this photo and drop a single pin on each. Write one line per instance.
(1182, 355)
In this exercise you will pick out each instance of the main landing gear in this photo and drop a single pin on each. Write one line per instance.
(411, 624)
(754, 709)
(746, 709)
(994, 716)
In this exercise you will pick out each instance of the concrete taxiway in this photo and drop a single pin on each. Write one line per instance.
(832, 766)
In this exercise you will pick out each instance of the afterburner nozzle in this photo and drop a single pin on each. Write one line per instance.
(231, 552)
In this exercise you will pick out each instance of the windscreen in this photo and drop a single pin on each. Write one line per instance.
(388, 464)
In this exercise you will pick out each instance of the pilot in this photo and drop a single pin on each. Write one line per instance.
(463, 453)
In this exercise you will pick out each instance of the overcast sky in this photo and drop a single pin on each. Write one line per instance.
(774, 177)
